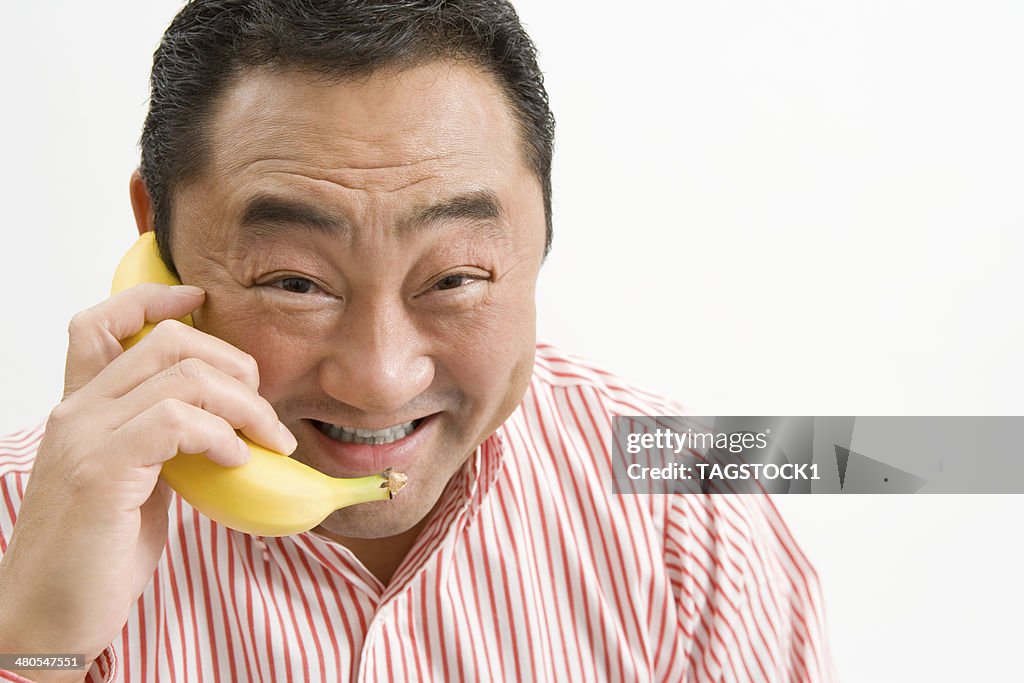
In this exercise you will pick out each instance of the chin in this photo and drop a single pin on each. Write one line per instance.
(381, 519)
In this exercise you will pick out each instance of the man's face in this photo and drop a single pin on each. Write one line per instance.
(375, 245)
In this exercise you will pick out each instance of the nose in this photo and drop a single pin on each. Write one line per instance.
(379, 361)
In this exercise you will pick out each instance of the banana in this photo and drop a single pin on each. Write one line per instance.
(272, 494)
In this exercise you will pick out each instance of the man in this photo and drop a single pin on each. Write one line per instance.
(357, 198)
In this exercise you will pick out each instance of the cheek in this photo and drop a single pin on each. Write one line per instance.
(278, 354)
(489, 353)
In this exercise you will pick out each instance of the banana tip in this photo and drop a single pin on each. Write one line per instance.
(393, 481)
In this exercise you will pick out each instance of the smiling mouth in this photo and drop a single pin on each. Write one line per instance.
(373, 437)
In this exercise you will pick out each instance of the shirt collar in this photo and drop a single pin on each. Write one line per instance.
(459, 505)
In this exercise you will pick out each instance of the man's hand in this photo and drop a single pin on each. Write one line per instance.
(93, 522)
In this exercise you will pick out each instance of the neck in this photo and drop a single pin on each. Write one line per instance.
(381, 556)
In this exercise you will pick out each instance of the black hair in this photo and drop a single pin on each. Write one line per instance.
(211, 42)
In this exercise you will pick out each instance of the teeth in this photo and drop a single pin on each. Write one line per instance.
(368, 436)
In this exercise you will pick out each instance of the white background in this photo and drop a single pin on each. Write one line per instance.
(760, 208)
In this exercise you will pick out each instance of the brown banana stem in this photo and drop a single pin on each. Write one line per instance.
(393, 481)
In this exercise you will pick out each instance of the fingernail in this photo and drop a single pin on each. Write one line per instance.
(243, 447)
(187, 289)
(289, 438)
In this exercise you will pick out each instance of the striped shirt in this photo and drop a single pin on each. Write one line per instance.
(531, 569)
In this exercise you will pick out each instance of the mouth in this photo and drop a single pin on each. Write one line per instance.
(356, 451)
(371, 437)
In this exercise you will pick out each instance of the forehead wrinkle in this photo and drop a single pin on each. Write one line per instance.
(347, 177)
(254, 134)
(255, 130)
(374, 186)
(263, 155)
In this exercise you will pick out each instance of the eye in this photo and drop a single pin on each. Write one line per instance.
(296, 285)
(454, 281)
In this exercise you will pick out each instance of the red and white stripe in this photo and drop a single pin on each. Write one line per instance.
(532, 570)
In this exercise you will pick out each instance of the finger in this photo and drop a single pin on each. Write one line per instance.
(170, 343)
(200, 384)
(153, 528)
(160, 432)
(95, 334)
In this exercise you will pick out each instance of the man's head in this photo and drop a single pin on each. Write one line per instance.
(211, 43)
(363, 191)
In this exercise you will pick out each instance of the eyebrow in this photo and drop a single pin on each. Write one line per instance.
(266, 216)
(477, 205)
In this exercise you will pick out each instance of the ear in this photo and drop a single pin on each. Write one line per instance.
(141, 203)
